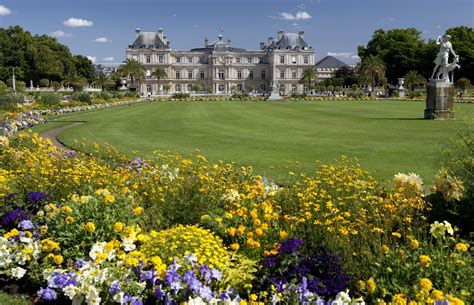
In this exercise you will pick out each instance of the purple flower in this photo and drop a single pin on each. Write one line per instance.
(191, 259)
(159, 294)
(205, 293)
(11, 217)
(216, 274)
(47, 294)
(80, 263)
(60, 281)
(35, 197)
(114, 288)
(206, 272)
(195, 285)
(189, 276)
(291, 245)
(26, 224)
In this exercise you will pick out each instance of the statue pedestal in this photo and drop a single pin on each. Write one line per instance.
(401, 93)
(274, 96)
(439, 100)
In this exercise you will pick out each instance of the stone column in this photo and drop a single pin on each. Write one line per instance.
(439, 100)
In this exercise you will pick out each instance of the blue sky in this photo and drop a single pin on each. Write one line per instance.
(102, 29)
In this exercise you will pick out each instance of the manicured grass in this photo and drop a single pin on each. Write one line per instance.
(386, 136)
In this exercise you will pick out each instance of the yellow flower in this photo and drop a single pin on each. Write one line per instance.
(414, 244)
(43, 229)
(90, 227)
(399, 299)
(66, 209)
(118, 227)
(69, 219)
(283, 235)
(47, 245)
(454, 301)
(109, 198)
(371, 286)
(231, 231)
(259, 232)
(437, 295)
(425, 284)
(58, 259)
(138, 211)
(361, 285)
(461, 247)
(253, 297)
(12, 233)
(397, 235)
(425, 261)
(385, 249)
(235, 246)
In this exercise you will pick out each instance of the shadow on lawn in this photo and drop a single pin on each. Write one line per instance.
(396, 119)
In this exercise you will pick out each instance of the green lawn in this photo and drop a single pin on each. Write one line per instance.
(386, 136)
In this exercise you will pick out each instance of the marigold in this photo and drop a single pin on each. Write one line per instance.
(138, 211)
(90, 227)
(235, 246)
(69, 220)
(118, 227)
(414, 244)
(109, 198)
(283, 235)
(399, 299)
(454, 301)
(437, 295)
(58, 259)
(425, 284)
(461, 247)
(425, 261)
(371, 285)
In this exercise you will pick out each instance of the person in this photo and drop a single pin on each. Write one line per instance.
(445, 48)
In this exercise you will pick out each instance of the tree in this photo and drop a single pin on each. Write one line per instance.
(462, 39)
(372, 71)
(347, 74)
(159, 73)
(308, 75)
(166, 87)
(133, 69)
(84, 67)
(412, 78)
(463, 84)
(77, 82)
(197, 88)
(103, 81)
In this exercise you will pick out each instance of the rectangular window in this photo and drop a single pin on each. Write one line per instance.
(263, 74)
(160, 59)
(263, 87)
(202, 60)
(148, 88)
(293, 59)
(282, 59)
(293, 74)
(260, 60)
(239, 74)
(251, 74)
(190, 60)
(282, 73)
(190, 74)
(148, 59)
(293, 88)
(177, 75)
(201, 74)
(221, 74)
(306, 60)
(178, 59)
(148, 73)
(249, 60)
(237, 60)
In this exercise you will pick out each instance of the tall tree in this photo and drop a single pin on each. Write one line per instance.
(133, 69)
(84, 67)
(372, 70)
(76, 81)
(159, 73)
(103, 81)
(308, 75)
(413, 78)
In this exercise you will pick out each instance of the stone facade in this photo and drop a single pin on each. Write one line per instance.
(219, 68)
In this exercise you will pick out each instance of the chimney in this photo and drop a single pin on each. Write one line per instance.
(165, 38)
(160, 33)
(270, 41)
(280, 34)
(137, 31)
(301, 33)
(206, 42)
(262, 45)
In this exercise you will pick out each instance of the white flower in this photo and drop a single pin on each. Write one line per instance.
(448, 227)
(97, 248)
(18, 272)
(342, 298)
(92, 296)
(231, 196)
(196, 301)
(128, 244)
(74, 294)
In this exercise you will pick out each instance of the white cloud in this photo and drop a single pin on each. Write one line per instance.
(102, 40)
(92, 58)
(59, 34)
(108, 59)
(298, 16)
(4, 10)
(341, 54)
(77, 22)
(389, 19)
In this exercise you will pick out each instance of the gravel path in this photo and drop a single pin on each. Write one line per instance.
(53, 133)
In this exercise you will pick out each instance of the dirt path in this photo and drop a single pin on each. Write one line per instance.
(53, 133)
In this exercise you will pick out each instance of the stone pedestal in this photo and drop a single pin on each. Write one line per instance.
(401, 93)
(439, 100)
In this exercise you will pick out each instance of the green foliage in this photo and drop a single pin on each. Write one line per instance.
(180, 95)
(7, 299)
(239, 272)
(56, 85)
(166, 87)
(197, 88)
(308, 76)
(372, 71)
(44, 82)
(3, 89)
(133, 69)
(462, 39)
(412, 78)
(10, 100)
(83, 67)
(103, 81)
(49, 98)
(463, 83)
(83, 97)
(105, 95)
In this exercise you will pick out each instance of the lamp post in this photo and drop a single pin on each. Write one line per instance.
(14, 85)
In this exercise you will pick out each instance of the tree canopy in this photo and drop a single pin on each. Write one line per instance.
(403, 50)
(38, 57)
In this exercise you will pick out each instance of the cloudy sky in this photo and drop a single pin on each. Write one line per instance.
(102, 29)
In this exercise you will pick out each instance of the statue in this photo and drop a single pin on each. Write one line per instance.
(441, 61)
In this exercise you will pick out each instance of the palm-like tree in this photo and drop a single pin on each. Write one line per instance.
(133, 69)
(76, 81)
(412, 78)
(308, 75)
(372, 70)
(103, 81)
(159, 73)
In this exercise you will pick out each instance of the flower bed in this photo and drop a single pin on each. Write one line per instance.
(82, 229)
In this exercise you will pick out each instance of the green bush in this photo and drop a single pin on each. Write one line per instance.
(56, 85)
(49, 98)
(105, 95)
(44, 82)
(180, 95)
(83, 97)
(132, 94)
(10, 100)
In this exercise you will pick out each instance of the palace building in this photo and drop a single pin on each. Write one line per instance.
(220, 68)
